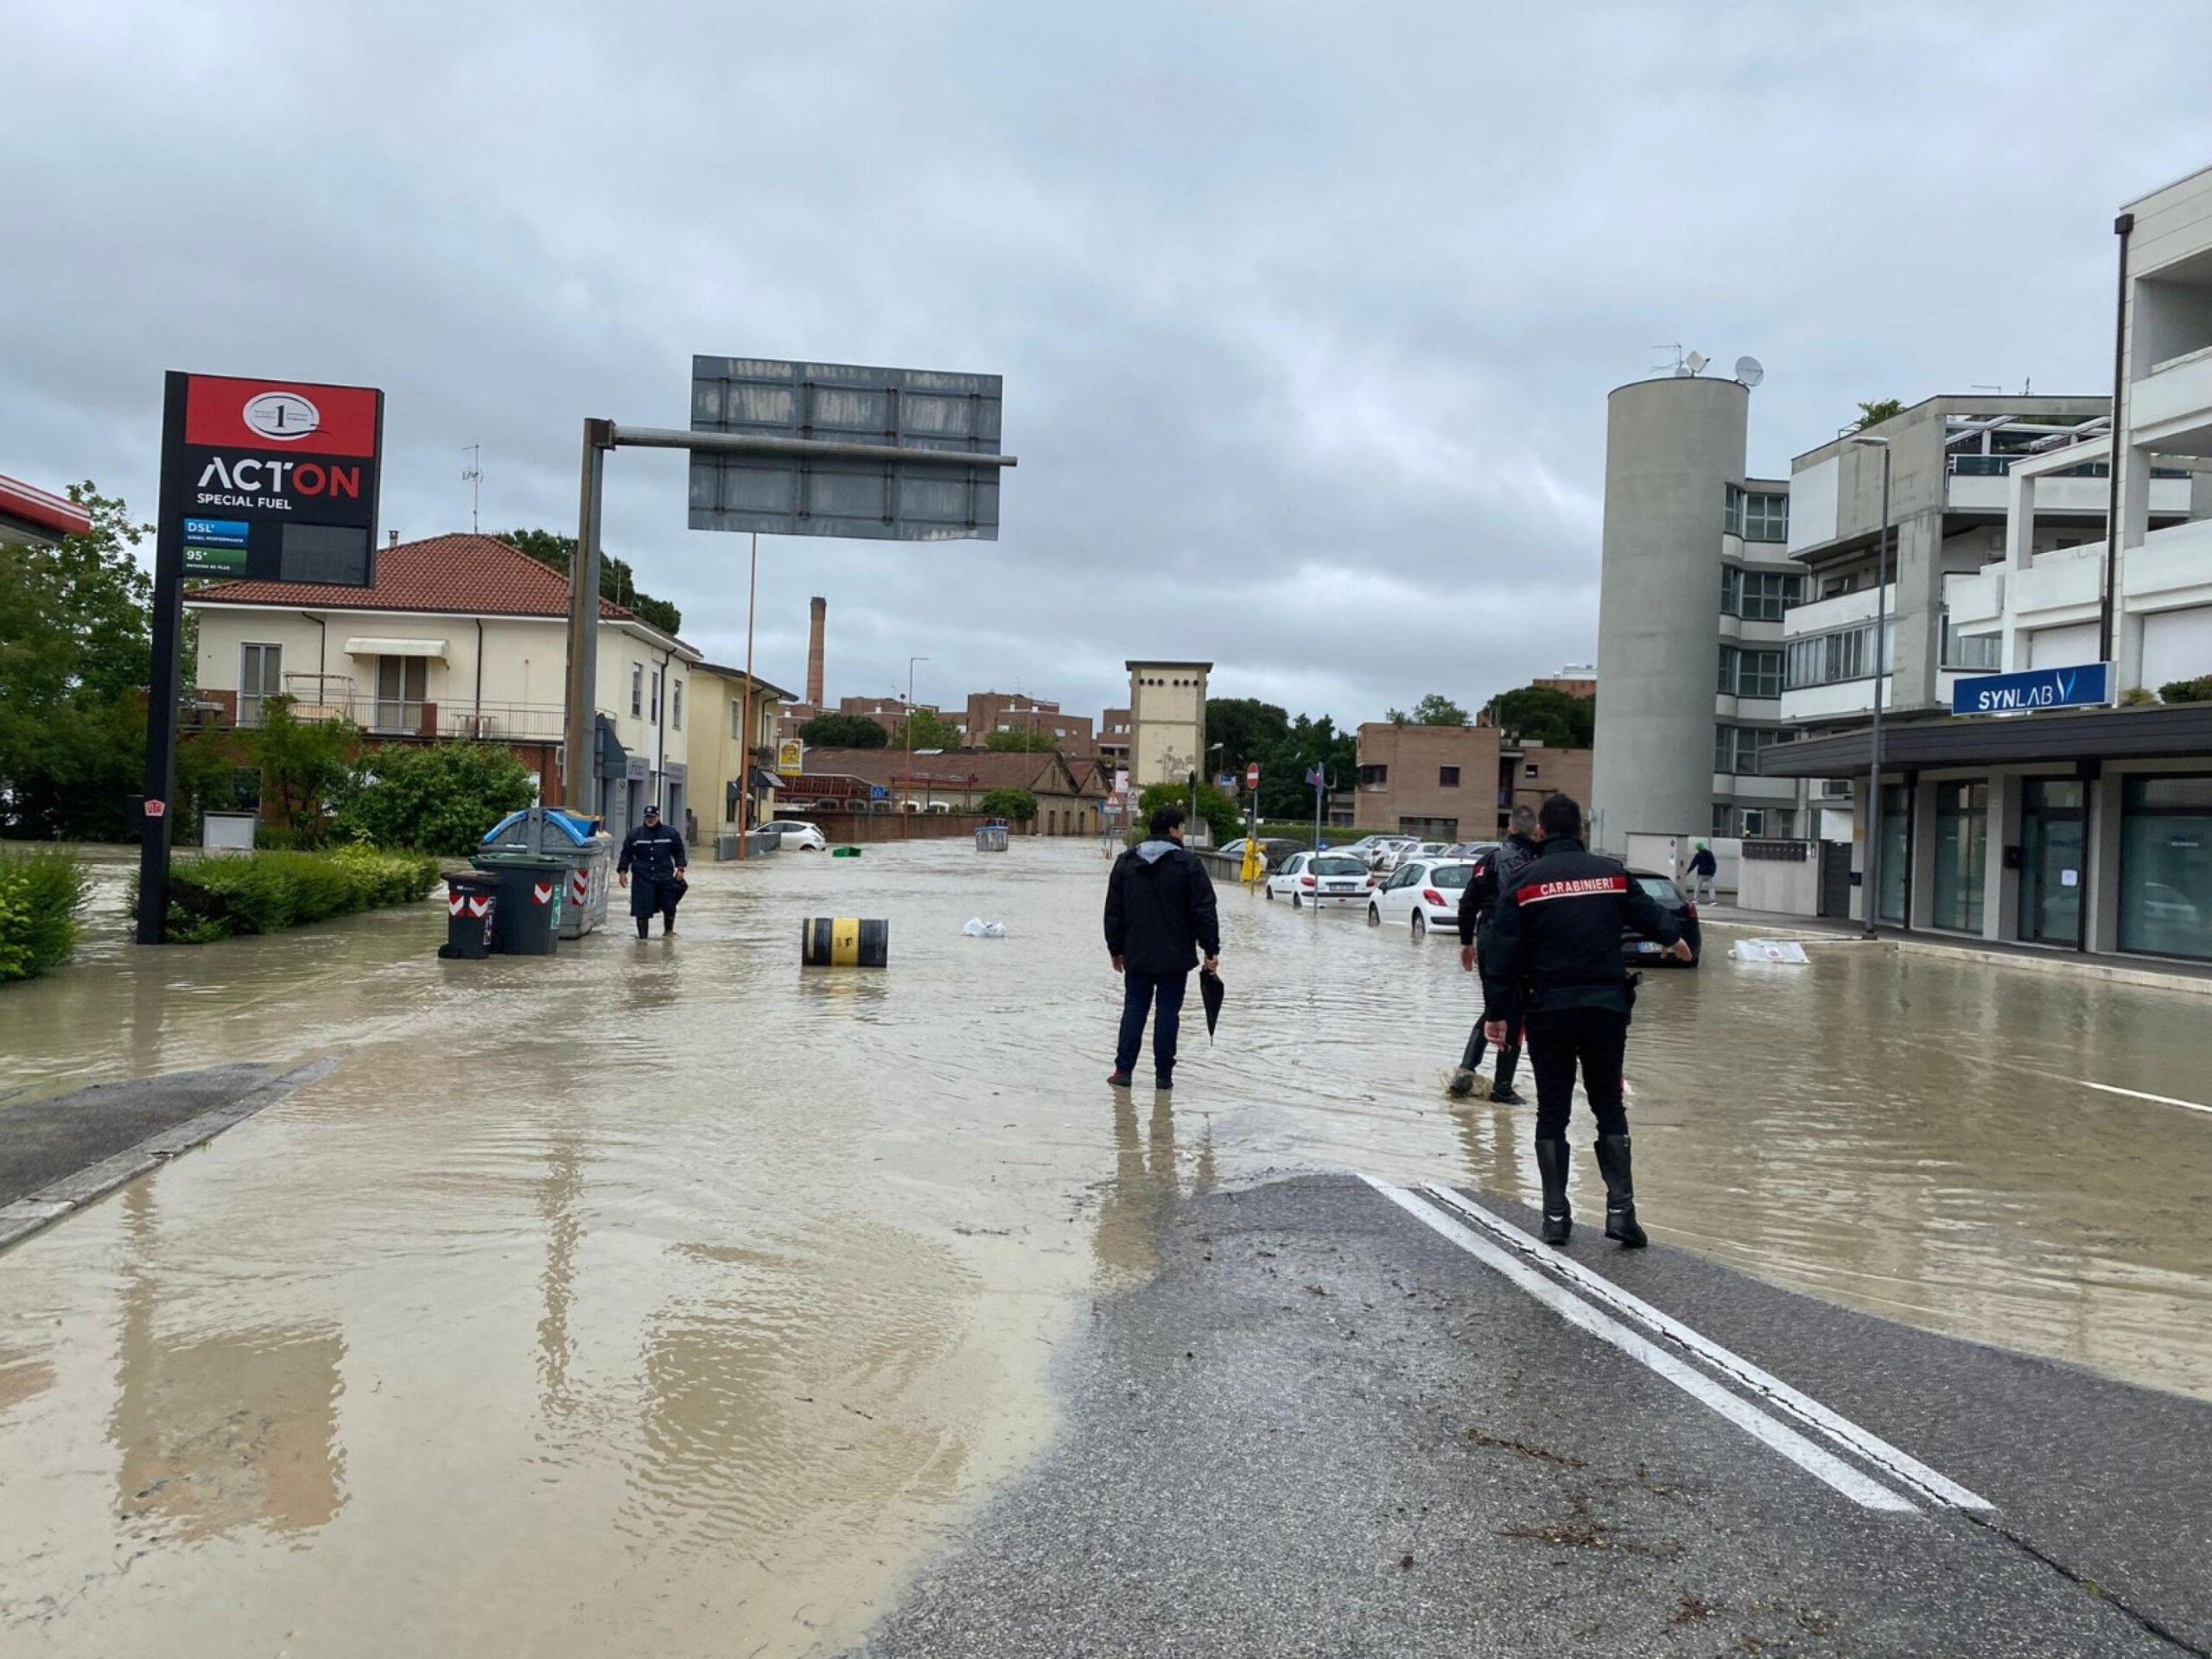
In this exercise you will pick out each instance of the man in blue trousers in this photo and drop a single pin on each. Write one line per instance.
(1159, 920)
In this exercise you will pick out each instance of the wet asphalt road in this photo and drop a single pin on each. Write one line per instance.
(1321, 1428)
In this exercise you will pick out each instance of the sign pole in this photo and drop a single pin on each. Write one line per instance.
(745, 719)
(580, 761)
(164, 686)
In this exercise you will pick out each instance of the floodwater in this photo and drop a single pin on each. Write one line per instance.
(664, 1298)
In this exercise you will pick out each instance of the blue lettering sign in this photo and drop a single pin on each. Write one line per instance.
(2086, 685)
(215, 532)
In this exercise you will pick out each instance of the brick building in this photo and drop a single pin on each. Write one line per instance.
(1456, 783)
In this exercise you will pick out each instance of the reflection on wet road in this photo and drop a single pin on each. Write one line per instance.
(656, 1294)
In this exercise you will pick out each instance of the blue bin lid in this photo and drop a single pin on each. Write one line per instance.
(578, 830)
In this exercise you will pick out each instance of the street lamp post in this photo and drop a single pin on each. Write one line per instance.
(1873, 893)
(905, 829)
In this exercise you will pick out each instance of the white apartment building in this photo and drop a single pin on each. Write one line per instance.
(2085, 829)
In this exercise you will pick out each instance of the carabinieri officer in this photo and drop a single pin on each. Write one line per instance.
(1556, 943)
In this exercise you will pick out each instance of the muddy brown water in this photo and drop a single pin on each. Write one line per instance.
(667, 1298)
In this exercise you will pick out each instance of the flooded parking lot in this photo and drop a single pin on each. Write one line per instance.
(657, 1292)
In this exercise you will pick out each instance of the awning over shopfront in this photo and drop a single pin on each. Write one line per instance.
(2001, 741)
(376, 645)
(764, 778)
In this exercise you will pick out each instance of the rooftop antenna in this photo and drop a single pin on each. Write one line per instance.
(472, 475)
(1674, 360)
(1750, 372)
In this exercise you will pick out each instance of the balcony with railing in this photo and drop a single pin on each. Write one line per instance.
(1979, 483)
(336, 697)
(2173, 404)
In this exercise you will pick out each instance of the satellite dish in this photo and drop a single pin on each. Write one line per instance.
(1695, 362)
(1748, 371)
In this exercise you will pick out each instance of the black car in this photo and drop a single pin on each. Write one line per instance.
(1678, 907)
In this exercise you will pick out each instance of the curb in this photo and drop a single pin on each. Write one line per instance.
(41, 1209)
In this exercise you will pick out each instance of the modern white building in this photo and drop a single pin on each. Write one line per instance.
(2088, 829)
(1694, 582)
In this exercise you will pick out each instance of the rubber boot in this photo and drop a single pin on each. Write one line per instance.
(1551, 1165)
(1620, 1191)
(1501, 1086)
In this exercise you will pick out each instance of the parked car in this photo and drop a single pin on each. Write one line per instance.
(1389, 850)
(1470, 848)
(1363, 849)
(800, 836)
(1331, 879)
(1422, 894)
(1679, 910)
(1282, 879)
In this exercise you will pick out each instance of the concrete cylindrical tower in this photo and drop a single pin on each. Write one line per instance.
(819, 625)
(1672, 447)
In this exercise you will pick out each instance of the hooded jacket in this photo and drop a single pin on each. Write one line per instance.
(1160, 909)
(1493, 877)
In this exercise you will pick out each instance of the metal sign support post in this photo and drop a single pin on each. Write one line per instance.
(163, 688)
(580, 751)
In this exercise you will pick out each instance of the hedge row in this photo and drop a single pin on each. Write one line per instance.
(261, 893)
(40, 892)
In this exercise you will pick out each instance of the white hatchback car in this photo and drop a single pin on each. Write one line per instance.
(1322, 880)
(1423, 894)
(800, 836)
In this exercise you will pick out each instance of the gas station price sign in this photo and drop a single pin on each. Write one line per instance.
(274, 480)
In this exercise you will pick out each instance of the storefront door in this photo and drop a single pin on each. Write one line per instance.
(2054, 841)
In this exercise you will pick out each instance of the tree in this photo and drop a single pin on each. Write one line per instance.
(1875, 413)
(1222, 815)
(1284, 793)
(558, 552)
(843, 732)
(1434, 709)
(924, 730)
(1021, 742)
(1015, 805)
(1544, 713)
(75, 654)
(1247, 729)
(303, 764)
(440, 799)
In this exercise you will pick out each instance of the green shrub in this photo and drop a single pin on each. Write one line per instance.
(40, 892)
(261, 893)
(1221, 814)
(2196, 691)
(1015, 805)
(441, 799)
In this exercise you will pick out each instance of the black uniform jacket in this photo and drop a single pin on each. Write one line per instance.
(1492, 876)
(656, 852)
(1555, 937)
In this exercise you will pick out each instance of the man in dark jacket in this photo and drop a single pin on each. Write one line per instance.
(1555, 942)
(1160, 918)
(1478, 899)
(655, 853)
(1703, 867)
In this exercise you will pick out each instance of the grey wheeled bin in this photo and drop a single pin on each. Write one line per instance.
(587, 852)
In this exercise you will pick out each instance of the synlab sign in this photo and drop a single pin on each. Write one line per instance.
(272, 480)
(2083, 686)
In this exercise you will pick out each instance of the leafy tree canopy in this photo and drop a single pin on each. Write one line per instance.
(303, 764)
(1015, 805)
(924, 730)
(1434, 709)
(1875, 413)
(1223, 816)
(1544, 713)
(440, 799)
(1247, 729)
(558, 552)
(843, 732)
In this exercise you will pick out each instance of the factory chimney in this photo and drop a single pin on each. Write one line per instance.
(821, 609)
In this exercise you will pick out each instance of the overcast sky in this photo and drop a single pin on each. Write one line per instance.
(1306, 314)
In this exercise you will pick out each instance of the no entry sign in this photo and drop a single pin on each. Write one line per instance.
(274, 480)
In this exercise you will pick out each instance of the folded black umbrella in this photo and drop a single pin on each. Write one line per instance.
(1210, 993)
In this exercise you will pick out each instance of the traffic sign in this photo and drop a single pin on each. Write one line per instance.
(1252, 776)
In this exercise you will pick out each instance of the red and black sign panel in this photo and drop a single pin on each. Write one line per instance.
(272, 480)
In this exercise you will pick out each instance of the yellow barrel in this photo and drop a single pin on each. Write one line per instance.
(844, 942)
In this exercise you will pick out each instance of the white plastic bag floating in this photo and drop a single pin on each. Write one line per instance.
(977, 928)
(1768, 951)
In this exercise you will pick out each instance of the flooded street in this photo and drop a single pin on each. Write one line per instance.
(656, 1294)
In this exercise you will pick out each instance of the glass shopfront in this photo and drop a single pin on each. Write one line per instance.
(1961, 856)
(1897, 852)
(2165, 865)
(2054, 841)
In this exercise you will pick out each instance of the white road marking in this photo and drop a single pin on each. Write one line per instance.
(1815, 1460)
(1891, 1460)
(2137, 1094)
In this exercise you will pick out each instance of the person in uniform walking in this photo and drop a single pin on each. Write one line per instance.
(1478, 899)
(1555, 942)
(1160, 918)
(655, 854)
